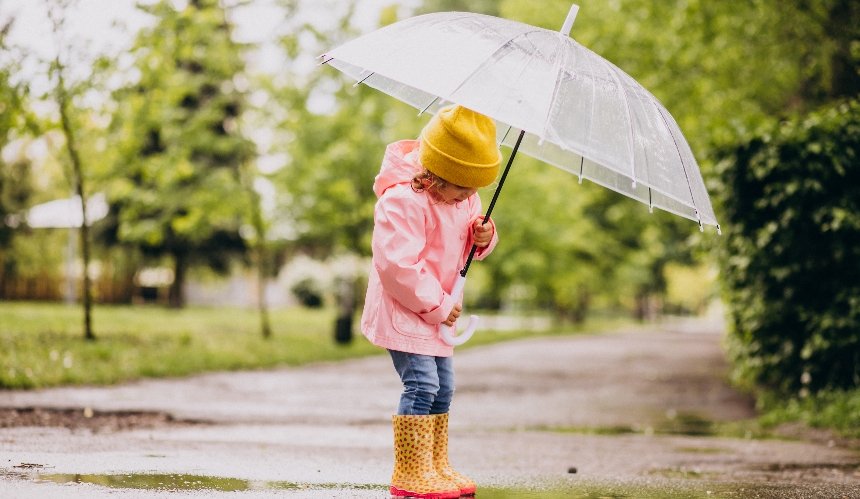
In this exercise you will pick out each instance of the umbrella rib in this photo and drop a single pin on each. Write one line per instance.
(681, 159)
(484, 28)
(557, 164)
(428, 105)
(490, 60)
(612, 72)
(505, 136)
(590, 125)
(581, 164)
(359, 82)
(559, 66)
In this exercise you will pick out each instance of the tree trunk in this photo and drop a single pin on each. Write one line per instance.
(262, 258)
(580, 311)
(641, 311)
(176, 294)
(262, 305)
(2, 275)
(78, 180)
(844, 78)
(260, 253)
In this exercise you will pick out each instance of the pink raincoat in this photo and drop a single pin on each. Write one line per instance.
(419, 246)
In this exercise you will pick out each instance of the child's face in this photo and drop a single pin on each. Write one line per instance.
(451, 194)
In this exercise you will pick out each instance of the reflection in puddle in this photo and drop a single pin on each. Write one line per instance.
(147, 481)
(194, 482)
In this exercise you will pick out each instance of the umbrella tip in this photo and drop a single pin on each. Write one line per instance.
(568, 23)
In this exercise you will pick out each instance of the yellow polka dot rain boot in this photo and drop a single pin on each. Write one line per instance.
(414, 474)
(440, 457)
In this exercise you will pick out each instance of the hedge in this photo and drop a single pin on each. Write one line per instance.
(790, 264)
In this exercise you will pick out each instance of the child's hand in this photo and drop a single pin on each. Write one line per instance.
(455, 313)
(482, 234)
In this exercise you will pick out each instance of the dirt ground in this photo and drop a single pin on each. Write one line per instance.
(639, 413)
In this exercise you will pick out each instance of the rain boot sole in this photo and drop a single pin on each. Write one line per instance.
(447, 494)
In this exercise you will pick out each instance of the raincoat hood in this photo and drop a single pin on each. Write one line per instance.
(399, 165)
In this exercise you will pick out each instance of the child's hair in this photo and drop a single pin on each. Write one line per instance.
(426, 180)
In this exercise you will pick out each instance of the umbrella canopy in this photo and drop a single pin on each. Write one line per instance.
(565, 104)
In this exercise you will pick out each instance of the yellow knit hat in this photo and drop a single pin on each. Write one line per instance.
(459, 145)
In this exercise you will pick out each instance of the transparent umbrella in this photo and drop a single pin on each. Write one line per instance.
(551, 98)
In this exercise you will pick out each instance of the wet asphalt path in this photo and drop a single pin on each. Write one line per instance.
(633, 408)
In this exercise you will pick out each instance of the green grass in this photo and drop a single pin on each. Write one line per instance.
(837, 410)
(42, 345)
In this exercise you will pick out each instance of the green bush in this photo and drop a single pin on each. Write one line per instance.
(791, 260)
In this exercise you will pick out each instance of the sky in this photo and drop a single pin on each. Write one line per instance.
(108, 26)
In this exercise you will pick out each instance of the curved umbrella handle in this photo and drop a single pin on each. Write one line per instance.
(446, 333)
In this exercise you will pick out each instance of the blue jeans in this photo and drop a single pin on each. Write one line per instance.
(428, 383)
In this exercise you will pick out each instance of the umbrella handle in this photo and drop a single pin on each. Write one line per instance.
(446, 333)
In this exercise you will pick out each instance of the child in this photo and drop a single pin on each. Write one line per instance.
(425, 222)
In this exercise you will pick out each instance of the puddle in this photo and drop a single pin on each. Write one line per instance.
(143, 481)
(689, 424)
(678, 424)
(789, 466)
(683, 472)
(702, 450)
(146, 481)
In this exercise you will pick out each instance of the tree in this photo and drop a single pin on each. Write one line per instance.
(334, 154)
(63, 94)
(259, 244)
(176, 188)
(15, 184)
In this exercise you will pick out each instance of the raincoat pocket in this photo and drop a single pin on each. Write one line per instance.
(408, 323)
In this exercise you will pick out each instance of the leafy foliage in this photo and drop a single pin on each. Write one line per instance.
(176, 186)
(335, 135)
(16, 186)
(791, 197)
